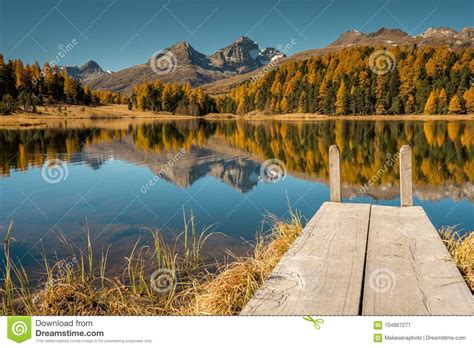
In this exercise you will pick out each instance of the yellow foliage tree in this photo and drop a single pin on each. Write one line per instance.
(431, 105)
(468, 97)
(69, 86)
(455, 106)
(341, 99)
(284, 105)
(442, 102)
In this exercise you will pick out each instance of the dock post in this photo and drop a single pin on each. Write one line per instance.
(406, 184)
(334, 174)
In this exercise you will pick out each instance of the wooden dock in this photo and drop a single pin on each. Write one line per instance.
(363, 259)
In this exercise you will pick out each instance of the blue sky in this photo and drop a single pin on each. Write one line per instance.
(121, 33)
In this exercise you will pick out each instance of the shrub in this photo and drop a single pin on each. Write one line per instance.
(7, 105)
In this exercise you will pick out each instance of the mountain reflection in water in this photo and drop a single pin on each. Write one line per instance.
(126, 175)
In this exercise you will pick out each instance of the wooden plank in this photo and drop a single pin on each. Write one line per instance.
(322, 271)
(334, 174)
(408, 269)
(406, 177)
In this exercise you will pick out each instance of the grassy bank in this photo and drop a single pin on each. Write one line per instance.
(166, 279)
(461, 248)
(46, 115)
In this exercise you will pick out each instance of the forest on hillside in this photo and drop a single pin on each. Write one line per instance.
(399, 81)
(25, 86)
(349, 82)
(353, 81)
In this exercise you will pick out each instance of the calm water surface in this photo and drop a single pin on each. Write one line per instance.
(119, 178)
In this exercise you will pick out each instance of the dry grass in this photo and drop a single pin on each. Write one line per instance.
(79, 285)
(228, 291)
(47, 115)
(50, 114)
(461, 248)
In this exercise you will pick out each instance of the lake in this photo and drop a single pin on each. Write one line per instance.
(117, 178)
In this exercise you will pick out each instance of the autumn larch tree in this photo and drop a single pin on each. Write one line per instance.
(442, 102)
(468, 97)
(431, 106)
(455, 106)
(341, 99)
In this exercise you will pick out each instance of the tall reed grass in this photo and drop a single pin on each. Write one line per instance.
(81, 285)
(461, 248)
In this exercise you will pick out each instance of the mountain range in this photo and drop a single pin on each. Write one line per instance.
(243, 58)
(396, 37)
(86, 72)
(193, 67)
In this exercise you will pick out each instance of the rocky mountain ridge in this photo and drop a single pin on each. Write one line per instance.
(441, 36)
(190, 66)
(243, 58)
(385, 37)
(85, 72)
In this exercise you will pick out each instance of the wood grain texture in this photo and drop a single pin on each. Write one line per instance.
(335, 194)
(406, 177)
(322, 271)
(408, 269)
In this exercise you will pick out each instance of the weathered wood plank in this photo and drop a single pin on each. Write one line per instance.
(322, 271)
(335, 194)
(406, 177)
(408, 269)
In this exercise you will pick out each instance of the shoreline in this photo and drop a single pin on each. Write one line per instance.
(317, 117)
(104, 112)
(80, 112)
